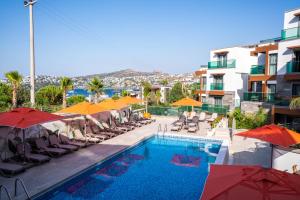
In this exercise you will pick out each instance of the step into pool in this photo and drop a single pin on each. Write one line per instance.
(157, 168)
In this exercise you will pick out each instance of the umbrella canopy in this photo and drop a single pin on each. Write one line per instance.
(273, 134)
(111, 104)
(250, 182)
(84, 108)
(187, 102)
(26, 117)
(129, 100)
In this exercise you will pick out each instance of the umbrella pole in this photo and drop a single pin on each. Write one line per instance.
(23, 146)
(271, 156)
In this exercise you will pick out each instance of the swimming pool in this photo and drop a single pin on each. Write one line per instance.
(157, 168)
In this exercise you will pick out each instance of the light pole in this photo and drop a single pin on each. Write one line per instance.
(29, 3)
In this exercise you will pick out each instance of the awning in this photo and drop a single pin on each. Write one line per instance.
(221, 52)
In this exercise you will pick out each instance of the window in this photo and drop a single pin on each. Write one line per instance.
(296, 61)
(203, 83)
(222, 60)
(218, 101)
(296, 89)
(273, 64)
(271, 88)
(256, 86)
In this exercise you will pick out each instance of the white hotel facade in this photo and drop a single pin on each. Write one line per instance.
(267, 72)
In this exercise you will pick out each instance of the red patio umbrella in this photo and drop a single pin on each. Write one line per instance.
(26, 117)
(273, 134)
(234, 182)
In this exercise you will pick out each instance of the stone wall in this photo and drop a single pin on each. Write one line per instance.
(253, 107)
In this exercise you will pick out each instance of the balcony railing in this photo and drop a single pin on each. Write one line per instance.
(293, 67)
(290, 33)
(257, 69)
(198, 87)
(216, 86)
(259, 96)
(221, 64)
(214, 108)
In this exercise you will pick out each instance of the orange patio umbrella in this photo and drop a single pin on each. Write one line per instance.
(129, 100)
(187, 102)
(273, 134)
(83, 108)
(226, 182)
(111, 104)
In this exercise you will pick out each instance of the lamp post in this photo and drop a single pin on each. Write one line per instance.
(30, 3)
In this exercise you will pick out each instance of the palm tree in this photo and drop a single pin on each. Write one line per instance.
(15, 79)
(65, 84)
(295, 103)
(157, 96)
(96, 86)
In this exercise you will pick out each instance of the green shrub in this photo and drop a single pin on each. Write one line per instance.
(75, 99)
(216, 121)
(248, 121)
(137, 106)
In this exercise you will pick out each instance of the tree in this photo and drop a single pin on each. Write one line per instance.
(146, 92)
(5, 97)
(157, 96)
(115, 97)
(75, 99)
(295, 103)
(15, 80)
(176, 93)
(124, 93)
(66, 84)
(96, 86)
(49, 95)
(164, 82)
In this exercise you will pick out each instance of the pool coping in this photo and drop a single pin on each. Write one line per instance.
(221, 156)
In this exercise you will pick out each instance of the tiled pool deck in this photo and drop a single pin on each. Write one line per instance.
(37, 179)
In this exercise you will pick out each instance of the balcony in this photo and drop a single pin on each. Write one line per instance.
(257, 69)
(293, 67)
(259, 96)
(291, 33)
(216, 86)
(221, 64)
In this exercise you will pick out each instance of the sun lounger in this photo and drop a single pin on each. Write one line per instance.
(194, 123)
(10, 169)
(29, 156)
(192, 129)
(97, 130)
(122, 128)
(213, 117)
(79, 137)
(65, 140)
(202, 117)
(42, 147)
(106, 127)
(90, 132)
(54, 142)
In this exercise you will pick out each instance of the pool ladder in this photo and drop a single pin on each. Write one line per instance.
(17, 180)
(159, 128)
(6, 191)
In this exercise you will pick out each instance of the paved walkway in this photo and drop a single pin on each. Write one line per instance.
(37, 179)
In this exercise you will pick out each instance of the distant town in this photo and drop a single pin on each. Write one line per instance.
(124, 79)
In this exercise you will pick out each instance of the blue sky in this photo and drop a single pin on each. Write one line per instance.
(79, 37)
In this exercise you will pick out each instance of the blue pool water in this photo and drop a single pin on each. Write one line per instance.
(158, 168)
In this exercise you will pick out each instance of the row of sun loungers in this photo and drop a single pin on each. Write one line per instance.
(191, 122)
(41, 150)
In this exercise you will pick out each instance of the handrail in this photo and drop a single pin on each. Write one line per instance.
(18, 180)
(7, 193)
(165, 128)
(159, 128)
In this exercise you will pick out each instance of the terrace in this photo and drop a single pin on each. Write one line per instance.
(221, 64)
(242, 151)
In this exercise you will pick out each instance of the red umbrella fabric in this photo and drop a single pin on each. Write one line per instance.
(273, 134)
(26, 117)
(227, 182)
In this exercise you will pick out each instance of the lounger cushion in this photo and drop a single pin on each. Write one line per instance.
(192, 129)
(175, 128)
(11, 168)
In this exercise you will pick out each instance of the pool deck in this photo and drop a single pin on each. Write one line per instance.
(40, 178)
